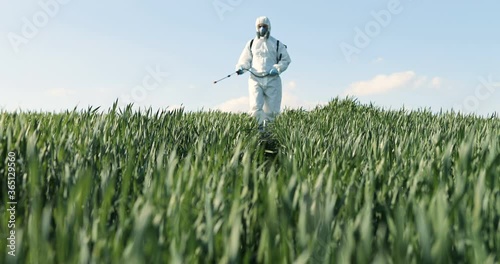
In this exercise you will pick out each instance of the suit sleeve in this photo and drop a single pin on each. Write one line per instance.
(282, 65)
(245, 60)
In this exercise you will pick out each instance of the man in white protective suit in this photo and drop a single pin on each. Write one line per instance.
(265, 58)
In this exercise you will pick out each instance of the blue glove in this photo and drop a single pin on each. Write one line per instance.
(240, 71)
(273, 72)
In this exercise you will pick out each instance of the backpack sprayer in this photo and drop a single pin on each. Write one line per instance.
(253, 73)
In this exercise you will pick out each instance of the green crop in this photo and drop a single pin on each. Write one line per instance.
(343, 183)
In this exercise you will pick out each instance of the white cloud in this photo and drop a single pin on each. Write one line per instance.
(175, 107)
(437, 82)
(291, 100)
(60, 92)
(420, 81)
(378, 60)
(381, 84)
(234, 105)
(291, 85)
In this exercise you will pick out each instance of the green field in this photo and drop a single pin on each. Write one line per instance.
(343, 183)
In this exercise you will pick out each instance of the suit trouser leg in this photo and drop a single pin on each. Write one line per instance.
(272, 98)
(256, 100)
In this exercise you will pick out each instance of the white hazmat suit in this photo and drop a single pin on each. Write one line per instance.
(262, 55)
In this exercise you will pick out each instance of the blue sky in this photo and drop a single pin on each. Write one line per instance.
(58, 54)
